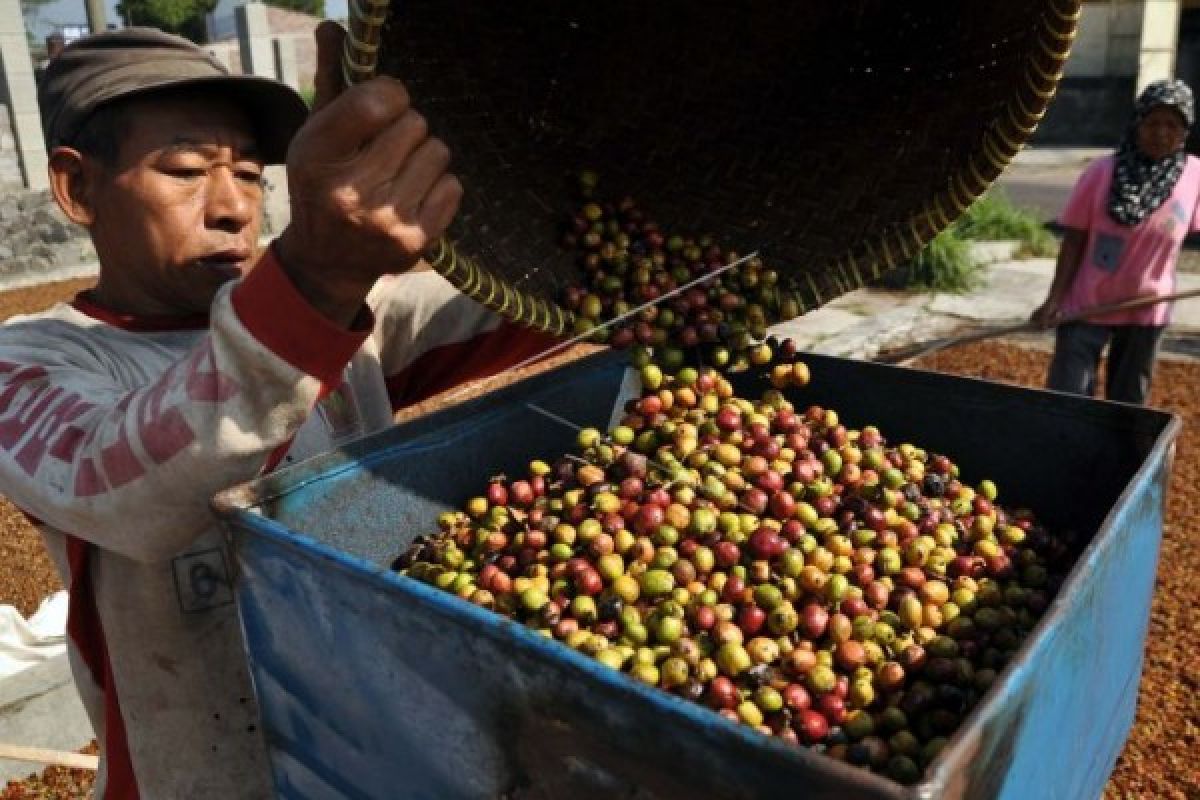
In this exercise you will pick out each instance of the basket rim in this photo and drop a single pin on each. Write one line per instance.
(1054, 35)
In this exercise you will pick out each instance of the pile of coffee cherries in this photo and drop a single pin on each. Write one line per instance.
(818, 583)
(627, 261)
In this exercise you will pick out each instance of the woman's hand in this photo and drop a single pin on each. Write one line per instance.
(1047, 314)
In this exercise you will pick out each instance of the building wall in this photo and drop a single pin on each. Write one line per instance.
(293, 26)
(299, 28)
(1093, 101)
(10, 158)
(1112, 59)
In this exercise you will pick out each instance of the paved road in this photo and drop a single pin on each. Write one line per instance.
(1043, 190)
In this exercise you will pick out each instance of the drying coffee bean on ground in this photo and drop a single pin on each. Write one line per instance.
(1159, 761)
(54, 783)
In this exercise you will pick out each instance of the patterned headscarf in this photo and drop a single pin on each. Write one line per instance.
(1140, 184)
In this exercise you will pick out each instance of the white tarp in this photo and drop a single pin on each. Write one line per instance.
(25, 642)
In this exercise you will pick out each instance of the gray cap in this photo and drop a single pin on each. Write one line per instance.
(104, 67)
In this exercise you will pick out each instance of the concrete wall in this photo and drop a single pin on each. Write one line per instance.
(19, 95)
(288, 31)
(1092, 104)
(1121, 46)
(1187, 64)
(1107, 41)
(1160, 40)
(1088, 112)
(10, 158)
(296, 28)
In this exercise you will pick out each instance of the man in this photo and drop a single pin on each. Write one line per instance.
(196, 362)
(55, 43)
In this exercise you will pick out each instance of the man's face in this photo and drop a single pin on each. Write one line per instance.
(178, 215)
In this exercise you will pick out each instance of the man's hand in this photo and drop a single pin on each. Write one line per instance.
(328, 81)
(369, 188)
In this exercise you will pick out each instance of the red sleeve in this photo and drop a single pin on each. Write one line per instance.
(454, 364)
(275, 313)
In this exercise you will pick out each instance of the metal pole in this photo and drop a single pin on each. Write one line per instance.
(96, 15)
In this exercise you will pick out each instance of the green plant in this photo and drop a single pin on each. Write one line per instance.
(314, 7)
(943, 265)
(993, 217)
(184, 17)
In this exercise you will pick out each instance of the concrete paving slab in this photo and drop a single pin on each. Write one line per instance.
(1001, 280)
(1011, 290)
(1185, 317)
(1043, 267)
(817, 325)
(979, 310)
(983, 306)
(39, 707)
(867, 302)
(873, 333)
(992, 252)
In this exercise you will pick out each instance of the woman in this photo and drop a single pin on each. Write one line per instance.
(1125, 223)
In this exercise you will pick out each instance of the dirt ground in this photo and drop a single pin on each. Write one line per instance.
(1159, 760)
(26, 573)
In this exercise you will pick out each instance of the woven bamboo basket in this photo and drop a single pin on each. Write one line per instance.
(836, 139)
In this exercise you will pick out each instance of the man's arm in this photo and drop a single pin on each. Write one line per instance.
(433, 338)
(132, 469)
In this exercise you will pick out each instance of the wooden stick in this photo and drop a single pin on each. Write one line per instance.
(57, 758)
(934, 345)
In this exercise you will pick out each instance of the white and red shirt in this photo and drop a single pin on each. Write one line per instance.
(115, 432)
(1123, 262)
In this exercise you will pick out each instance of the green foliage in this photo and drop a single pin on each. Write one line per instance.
(314, 7)
(308, 93)
(994, 217)
(184, 17)
(945, 264)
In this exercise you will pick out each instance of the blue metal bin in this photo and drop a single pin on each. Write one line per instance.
(373, 685)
